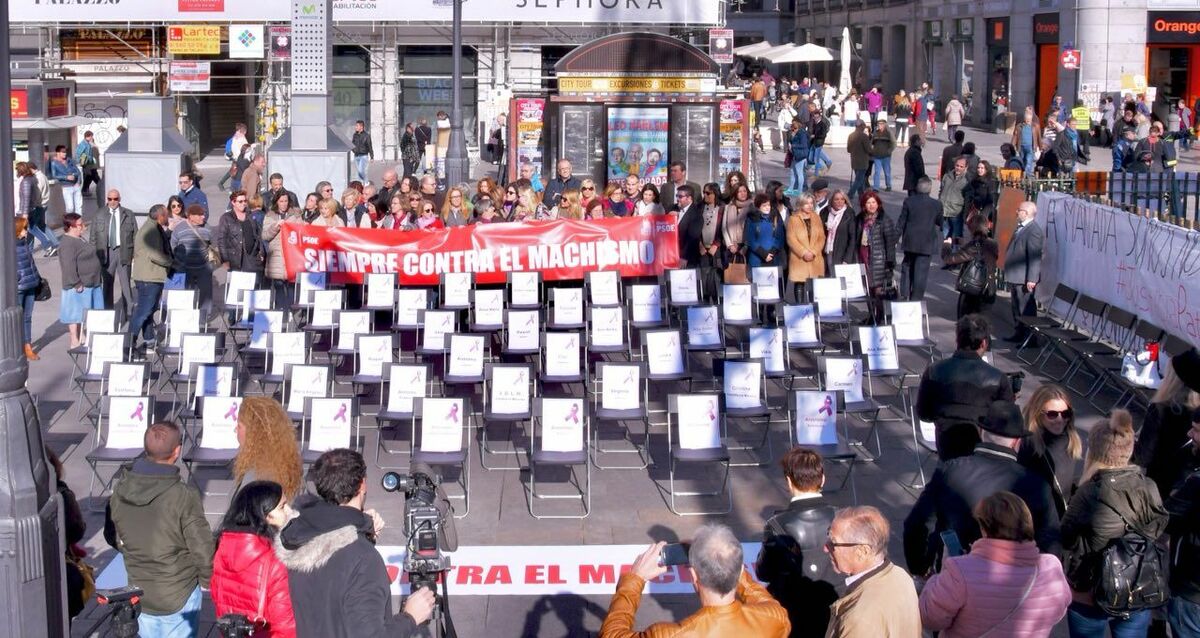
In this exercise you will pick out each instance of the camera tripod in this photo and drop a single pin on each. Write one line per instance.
(440, 624)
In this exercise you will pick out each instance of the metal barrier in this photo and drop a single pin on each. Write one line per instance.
(1169, 196)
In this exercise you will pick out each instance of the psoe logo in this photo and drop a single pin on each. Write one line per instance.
(664, 227)
(292, 238)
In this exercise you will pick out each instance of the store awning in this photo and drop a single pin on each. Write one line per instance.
(751, 49)
(805, 53)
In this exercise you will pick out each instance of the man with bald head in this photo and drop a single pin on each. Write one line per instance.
(112, 234)
(391, 186)
(1023, 268)
(157, 523)
(429, 190)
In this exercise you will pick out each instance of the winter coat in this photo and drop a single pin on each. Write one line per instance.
(1088, 525)
(975, 592)
(799, 145)
(1037, 133)
(270, 234)
(980, 196)
(954, 113)
(151, 253)
(874, 101)
(764, 236)
(882, 143)
(28, 277)
(845, 251)
(920, 224)
(794, 566)
(914, 167)
(157, 523)
(60, 171)
(28, 195)
(337, 580)
(360, 144)
(195, 196)
(1055, 466)
(79, 262)
(882, 603)
(858, 145)
(817, 130)
(1163, 433)
(1184, 527)
(959, 389)
(951, 194)
(249, 579)
(230, 240)
(801, 238)
(881, 252)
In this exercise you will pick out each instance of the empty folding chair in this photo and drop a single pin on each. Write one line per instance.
(559, 439)
(744, 390)
(645, 306)
(305, 381)
(620, 398)
(237, 282)
(522, 333)
(1060, 311)
(380, 291)
(683, 288)
(815, 417)
(410, 302)
(766, 287)
(1110, 368)
(372, 354)
(405, 382)
(326, 304)
(525, 290)
(252, 303)
(702, 326)
(878, 346)
(350, 324)
(194, 349)
(306, 284)
(845, 374)
(216, 444)
(769, 346)
(283, 349)
(433, 326)
(666, 361)
(562, 360)
(924, 440)
(694, 436)
(454, 290)
(508, 392)
(1111, 338)
(94, 322)
(103, 349)
(737, 309)
(606, 333)
(1087, 319)
(123, 380)
(566, 309)
(330, 423)
(802, 332)
(487, 310)
(207, 380)
(854, 282)
(180, 321)
(439, 435)
(265, 323)
(464, 361)
(603, 288)
(911, 321)
(119, 439)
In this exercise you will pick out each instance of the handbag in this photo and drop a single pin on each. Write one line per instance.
(787, 159)
(43, 290)
(735, 272)
(212, 255)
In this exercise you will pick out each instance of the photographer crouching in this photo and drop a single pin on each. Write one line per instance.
(338, 581)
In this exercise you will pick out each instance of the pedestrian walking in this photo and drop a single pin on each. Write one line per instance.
(919, 225)
(81, 278)
(87, 156)
(151, 265)
(361, 149)
(883, 143)
(66, 173)
(29, 281)
(955, 113)
(112, 233)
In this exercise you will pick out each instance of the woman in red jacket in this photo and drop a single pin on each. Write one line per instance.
(247, 578)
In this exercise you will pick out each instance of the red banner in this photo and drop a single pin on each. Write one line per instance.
(559, 249)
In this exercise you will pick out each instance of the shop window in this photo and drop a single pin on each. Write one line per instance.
(550, 57)
(693, 130)
(426, 87)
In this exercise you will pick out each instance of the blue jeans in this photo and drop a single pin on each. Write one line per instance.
(817, 155)
(184, 623)
(883, 164)
(952, 226)
(1027, 158)
(1084, 621)
(27, 299)
(37, 227)
(1184, 616)
(147, 294)
(797, 174)
(857, 185)
(360, 163)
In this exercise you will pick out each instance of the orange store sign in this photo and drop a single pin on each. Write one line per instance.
(1173, 27)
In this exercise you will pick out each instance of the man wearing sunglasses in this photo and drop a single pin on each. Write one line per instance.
(112, 233)
(880, 598)
(237, 236)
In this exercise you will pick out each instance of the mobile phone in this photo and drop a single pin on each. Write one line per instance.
(673, 554)
(951, 543)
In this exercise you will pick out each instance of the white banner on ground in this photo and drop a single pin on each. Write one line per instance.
(1145, 266)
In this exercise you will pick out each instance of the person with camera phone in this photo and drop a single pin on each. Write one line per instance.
(338, 581)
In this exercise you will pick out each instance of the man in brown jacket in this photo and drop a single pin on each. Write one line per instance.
(731, 603)
(880, 599)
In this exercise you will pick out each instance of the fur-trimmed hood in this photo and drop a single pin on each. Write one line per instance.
(308, 542)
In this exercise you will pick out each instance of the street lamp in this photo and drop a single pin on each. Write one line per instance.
(457, 164)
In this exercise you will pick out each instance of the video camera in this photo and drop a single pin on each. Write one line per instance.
(125, 605)
(426, 526)
(239, 626)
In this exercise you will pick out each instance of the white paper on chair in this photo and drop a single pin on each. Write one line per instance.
(100, 322)
(128, 418)
(325, 302)
(438, 324)
(846, 375)
(684, 289)
(525, 289)
(329, 424)
(307, 381)
(562, 425)
(441, 425)
(125, 379)
(607, 328)
(407, 382)
(928, 432)
(220, 423)
(879, 345)
(647, 303)
(568, 306)
(907, 319)
(181, 322)
(524, 330)
(456, 293)
(604, 285)
(236, 283)
(179, 300)
(466, 356)
(253, 302)
(197, 349)
(374, 351)
(408, 302)
(851, 274)
(350, 325)
(735, 302)
(766, 283)
(703, 329)
(827, 294)
(699, 422)
(664, 354)
(816, 418)
(621, 387)
(510, 390)
(743, 384)
(310, 282)
(381, 290)
(562, 354)
(801, 323)
(767, 344)
(266, 322)
(489, 307)
(104, 348)
(286, 347)
(214, 380)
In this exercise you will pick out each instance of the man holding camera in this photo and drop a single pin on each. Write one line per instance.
(732, 604)
(338, 581)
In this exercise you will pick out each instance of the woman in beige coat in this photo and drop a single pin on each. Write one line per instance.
(805, 241)
(279, 211)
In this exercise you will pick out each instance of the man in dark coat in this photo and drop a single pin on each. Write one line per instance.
(561, 183)
(960, 484)
(691, 225)
(112, 233)
(919, 227)
(956, 392)
(914, 164)
(337, 579)
(1023, 267)
(951, 153)
(677, 172)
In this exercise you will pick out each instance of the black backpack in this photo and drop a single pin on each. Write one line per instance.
(975, 277)
(1132, 573)
(1065, 149)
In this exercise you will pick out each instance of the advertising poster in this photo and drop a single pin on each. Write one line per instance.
(281, 42)
(637, 144)
(732, 142)
(529, 115)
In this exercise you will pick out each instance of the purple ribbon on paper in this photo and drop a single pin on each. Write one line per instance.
(453, 415)
(416, 378)
(232, 412)
(574, 415)
(828, 407)
(629, 378)
(138, 413)
(532, 318)
(341, 415)
(474, 346)
(712, 410)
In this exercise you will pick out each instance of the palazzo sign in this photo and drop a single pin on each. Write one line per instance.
(681, 12)
(1142, 265)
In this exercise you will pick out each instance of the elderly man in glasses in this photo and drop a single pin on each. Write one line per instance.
(112, 235)
(880, 599)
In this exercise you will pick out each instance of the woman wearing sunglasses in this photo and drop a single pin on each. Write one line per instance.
(429, 218)
(1054, 447)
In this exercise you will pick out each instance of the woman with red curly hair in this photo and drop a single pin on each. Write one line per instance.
(267, 448)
